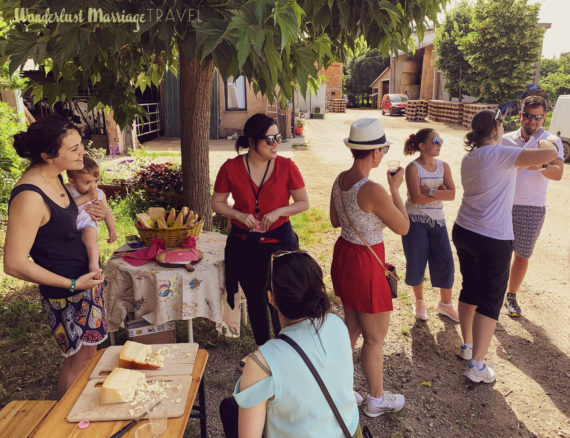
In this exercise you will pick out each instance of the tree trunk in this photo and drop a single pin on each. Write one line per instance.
(195, 96)
(460, 85)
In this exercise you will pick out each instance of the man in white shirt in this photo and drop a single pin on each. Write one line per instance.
(530, 192)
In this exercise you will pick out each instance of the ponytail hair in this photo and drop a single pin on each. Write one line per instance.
(412, 144)
(254, 130)
(482, 126)
(42, 137)
(296, 281)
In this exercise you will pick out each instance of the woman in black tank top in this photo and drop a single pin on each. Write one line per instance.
(42, 224)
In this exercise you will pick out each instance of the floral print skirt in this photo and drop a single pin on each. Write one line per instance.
(77, 320)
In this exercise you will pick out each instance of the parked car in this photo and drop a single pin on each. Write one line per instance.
(394, 104)
(560, 123)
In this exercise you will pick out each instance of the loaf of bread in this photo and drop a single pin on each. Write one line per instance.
(171, 217)
(156, 212)
(135, 355)
(145, 220)
(121, 385)
(161, 223)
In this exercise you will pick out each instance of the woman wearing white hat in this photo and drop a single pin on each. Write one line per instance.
(362, 208)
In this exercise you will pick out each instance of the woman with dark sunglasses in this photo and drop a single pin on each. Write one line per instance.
(261, 184)
(277, 393)
(429, 183)
(483, 233)
(362, 208)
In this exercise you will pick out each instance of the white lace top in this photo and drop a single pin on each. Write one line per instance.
(432, 212)
(368, 225)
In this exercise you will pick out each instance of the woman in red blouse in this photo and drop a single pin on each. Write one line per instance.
(261, 184)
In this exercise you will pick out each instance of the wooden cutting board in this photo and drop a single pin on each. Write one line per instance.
(88, 406)
(178, 360)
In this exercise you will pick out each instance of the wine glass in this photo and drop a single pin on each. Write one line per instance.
(393, 166)
(144, 431)
(157, 416)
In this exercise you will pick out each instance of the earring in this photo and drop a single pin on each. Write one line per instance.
(496, 137)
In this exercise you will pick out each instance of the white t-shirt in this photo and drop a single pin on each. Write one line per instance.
(430, 212)
(531, 185)
(488, 178)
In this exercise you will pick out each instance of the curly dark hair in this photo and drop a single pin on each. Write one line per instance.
(43, 137)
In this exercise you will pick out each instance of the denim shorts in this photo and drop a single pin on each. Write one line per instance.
(425, 244)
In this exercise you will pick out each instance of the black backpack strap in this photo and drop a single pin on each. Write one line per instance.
(317, 377)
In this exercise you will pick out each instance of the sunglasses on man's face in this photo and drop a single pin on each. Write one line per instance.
(385, 149)
(270, 139)
(437, 140)
(537, 117)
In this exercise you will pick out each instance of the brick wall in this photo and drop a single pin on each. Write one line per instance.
(333, 82)
(233, 121)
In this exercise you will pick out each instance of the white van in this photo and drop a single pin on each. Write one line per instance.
(560, 123)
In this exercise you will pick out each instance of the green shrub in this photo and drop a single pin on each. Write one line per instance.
(12, 165)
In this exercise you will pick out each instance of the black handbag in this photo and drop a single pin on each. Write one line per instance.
(392, 279)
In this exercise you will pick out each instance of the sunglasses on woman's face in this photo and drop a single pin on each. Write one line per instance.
(278, 254)
(537, 117)
(437, 140)
(498, 114)
(270, 139)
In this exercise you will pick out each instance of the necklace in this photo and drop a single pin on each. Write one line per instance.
(58, 186)
(256, 193)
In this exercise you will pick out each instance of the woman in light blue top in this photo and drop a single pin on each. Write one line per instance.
(277, 393)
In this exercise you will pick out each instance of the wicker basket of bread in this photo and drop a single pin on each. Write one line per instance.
(172, 227)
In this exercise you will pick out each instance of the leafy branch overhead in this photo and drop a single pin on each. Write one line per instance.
(276, 44)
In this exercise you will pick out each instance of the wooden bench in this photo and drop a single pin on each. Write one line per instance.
(20, 418)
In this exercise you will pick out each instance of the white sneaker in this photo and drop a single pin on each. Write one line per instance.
(358, 398)
(419, 309)
(485, 375)
(465, 352)
(390, 403)
(448, 310)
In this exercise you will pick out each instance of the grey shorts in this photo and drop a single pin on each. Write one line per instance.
(527, 223)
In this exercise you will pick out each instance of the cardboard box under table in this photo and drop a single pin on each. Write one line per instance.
(140, 330)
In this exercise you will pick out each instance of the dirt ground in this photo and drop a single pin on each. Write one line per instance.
(531, 396)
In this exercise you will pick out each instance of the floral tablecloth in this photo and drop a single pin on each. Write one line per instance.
(160, 294)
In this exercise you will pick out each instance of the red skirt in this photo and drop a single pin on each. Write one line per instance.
(358, 279)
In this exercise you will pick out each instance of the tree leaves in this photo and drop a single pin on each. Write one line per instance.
(24, 46)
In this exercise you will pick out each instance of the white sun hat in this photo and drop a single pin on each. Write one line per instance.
(366, 134)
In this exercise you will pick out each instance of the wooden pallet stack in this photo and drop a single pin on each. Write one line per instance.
(417, 110)
(446, 112)
(470, 109)
(337, 106)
